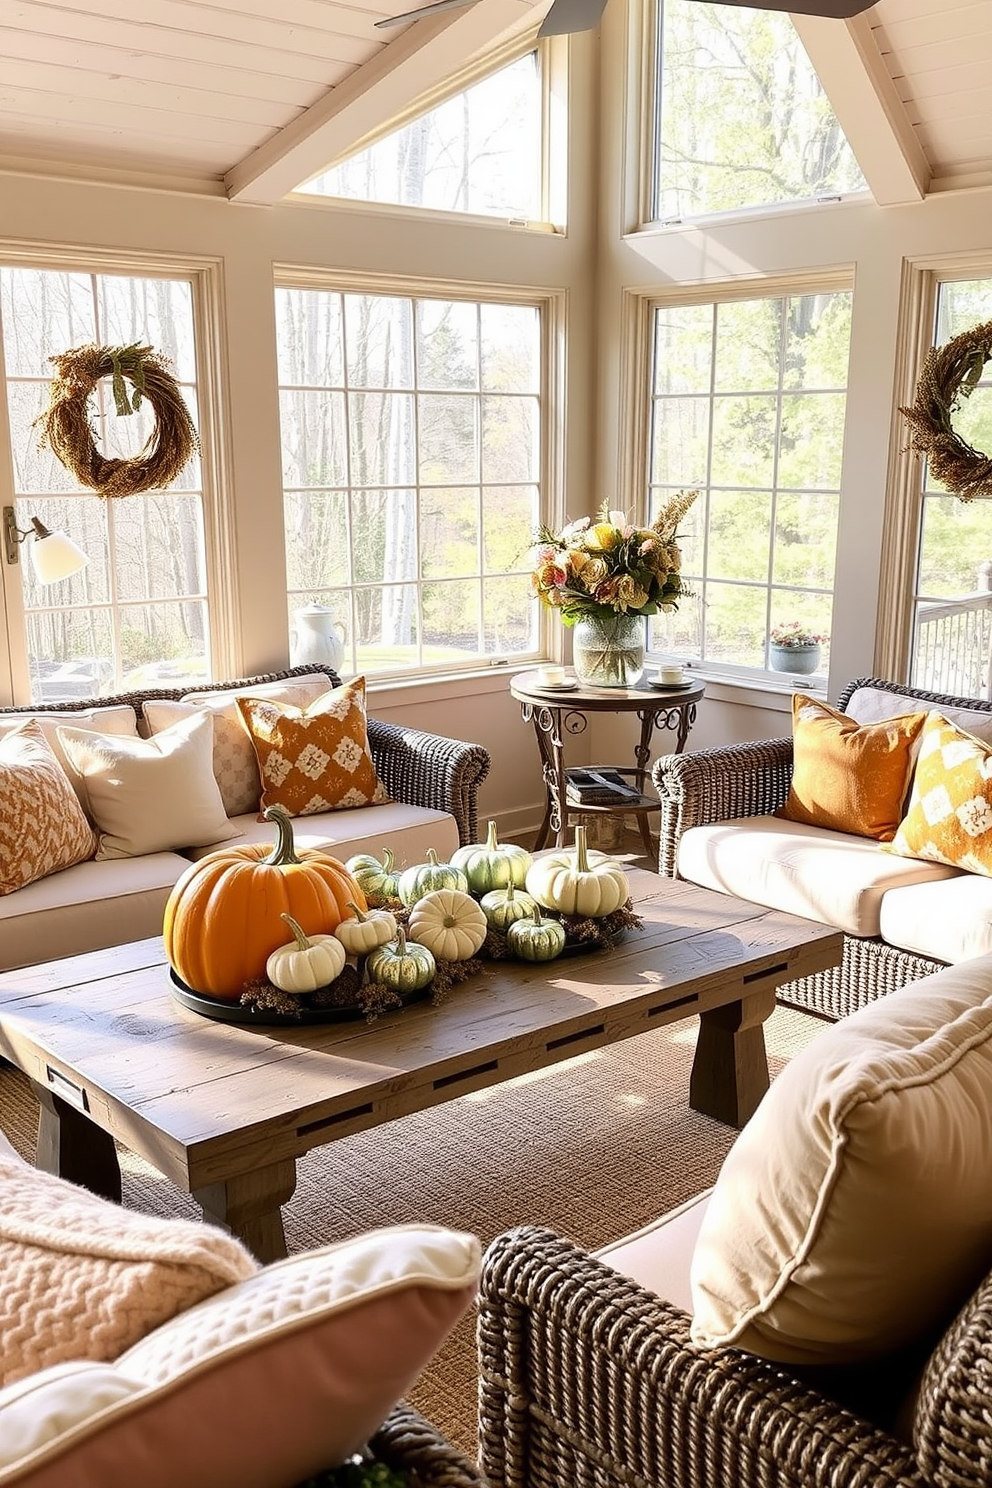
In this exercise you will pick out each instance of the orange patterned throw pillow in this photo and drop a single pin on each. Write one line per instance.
(42, 826)
(316, 758)
(949, 816)
(848, 776)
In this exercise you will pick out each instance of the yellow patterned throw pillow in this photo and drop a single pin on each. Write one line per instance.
(849, 776)
(42, 826)
(949, 816)
(316, 758)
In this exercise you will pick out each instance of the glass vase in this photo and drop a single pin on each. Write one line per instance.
(608, 651)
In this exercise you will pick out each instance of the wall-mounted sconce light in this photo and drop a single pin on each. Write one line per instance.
(54, 555)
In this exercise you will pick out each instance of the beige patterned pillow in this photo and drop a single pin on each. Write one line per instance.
(42, 826)
(314, 759)
(235, 765)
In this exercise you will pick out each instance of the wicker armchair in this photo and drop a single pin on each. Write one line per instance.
(408, 1443)
(417, 768)
(713, 785)
(589, 1380)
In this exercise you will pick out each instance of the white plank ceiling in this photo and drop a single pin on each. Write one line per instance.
(248, 99)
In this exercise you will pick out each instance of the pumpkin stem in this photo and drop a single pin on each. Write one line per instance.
(302, 939)
(538, 917)
(491, 839)
(357, 912)
(432, 857)
(581, 855)
(284, 851)
(401, 938)
(387, 860)
(509, 892)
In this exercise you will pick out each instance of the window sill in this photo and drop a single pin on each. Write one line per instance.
(759, 692)
(397, 692)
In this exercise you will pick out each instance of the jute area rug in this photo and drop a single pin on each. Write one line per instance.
(593, 1148)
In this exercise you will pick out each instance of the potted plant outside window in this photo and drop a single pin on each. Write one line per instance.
(793, 647)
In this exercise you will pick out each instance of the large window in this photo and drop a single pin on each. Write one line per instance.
(138, 612)
(952, 602)
(742, 118)
(748, 405)
(478, 152)
(412, 455)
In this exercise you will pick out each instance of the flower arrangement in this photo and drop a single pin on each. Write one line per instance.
(793, 634)
(610, 567)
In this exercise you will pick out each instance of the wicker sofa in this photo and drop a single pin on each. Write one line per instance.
(748, 782)
(432, 782)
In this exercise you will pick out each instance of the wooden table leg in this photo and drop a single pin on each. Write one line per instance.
(73, 1147)
(250, 1205)
(730, 1068)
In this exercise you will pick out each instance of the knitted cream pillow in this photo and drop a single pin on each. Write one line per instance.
(82, 1278)
(317, 758)
(42, 825)
(853, 1214)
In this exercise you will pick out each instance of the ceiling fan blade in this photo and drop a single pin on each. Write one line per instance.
(568, 16)
(425, 10)
(835, 10)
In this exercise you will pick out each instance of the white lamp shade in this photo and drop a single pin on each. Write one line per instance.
(56, 557)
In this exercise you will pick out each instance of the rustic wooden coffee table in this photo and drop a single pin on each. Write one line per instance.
(224, 1110)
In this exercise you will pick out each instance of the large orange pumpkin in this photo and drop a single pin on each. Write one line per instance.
(224, 919)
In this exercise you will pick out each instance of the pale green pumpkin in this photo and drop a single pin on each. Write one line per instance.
(503, 907)
(401, 965)
(424, 878)
(536, 938)
(492, 864)
(374, 877)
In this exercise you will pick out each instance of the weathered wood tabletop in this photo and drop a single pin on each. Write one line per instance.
(224, 1110)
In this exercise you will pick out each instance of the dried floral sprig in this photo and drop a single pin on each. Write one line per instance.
(262, 995)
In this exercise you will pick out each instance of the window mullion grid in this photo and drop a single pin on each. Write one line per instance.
(776, 454)
(708, 485)
(349, 515)
(480, 487)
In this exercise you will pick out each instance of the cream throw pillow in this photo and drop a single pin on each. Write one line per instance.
(42, 825)
(114, 719)
(853, 1214)
(150, 795)
(235, 765)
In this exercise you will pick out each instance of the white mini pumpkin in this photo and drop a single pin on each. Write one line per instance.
(306, 962)
(576, 881)
(449, 923)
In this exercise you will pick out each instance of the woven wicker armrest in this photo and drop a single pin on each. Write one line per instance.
(430, 770)
(711, 785)
(589, 1380)
(407, 1442)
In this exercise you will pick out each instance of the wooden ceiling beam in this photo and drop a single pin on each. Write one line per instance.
(868, 107)
(422, 56)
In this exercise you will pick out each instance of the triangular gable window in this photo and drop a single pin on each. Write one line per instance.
(477, 152)
(742, 121)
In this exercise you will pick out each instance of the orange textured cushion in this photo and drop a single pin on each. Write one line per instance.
(949, 816)
(42, 826)
(848, 776)
(316, 758)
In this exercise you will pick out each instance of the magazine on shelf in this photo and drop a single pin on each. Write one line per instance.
(598, 787)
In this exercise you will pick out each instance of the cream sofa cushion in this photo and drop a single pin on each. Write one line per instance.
(234, 763)
(149, 795)
(408, 830)
(853, 1215)
(267, 1383)
(947, 921)
(116, 719)
(831, 877)
(659, 1256)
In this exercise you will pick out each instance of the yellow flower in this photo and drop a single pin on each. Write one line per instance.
(603, 537)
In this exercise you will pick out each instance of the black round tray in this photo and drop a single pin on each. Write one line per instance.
(239, 1012)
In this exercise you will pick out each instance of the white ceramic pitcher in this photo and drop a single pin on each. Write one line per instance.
(316, 637)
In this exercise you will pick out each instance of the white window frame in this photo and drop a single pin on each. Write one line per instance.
(902, 522)
(636, 350)
(204, 277)
(553, 56)
(551, 306)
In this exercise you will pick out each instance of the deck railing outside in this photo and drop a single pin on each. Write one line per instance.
(952, 642)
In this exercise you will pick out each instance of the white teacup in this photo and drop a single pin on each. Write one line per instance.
(671, 674)
(550, 676)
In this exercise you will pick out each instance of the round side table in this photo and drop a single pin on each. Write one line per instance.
(557, 712)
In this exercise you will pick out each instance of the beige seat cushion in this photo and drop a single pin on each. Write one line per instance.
(408, 830)
(947, 921)
(659, 1256)
(86, 908)
(831, 877)
(853, 1215)
(277, 1377)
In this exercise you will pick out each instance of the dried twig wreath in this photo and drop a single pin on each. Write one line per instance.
(66, 426)
(950, 373)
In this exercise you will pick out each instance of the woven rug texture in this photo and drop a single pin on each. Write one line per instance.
(593, 1148)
